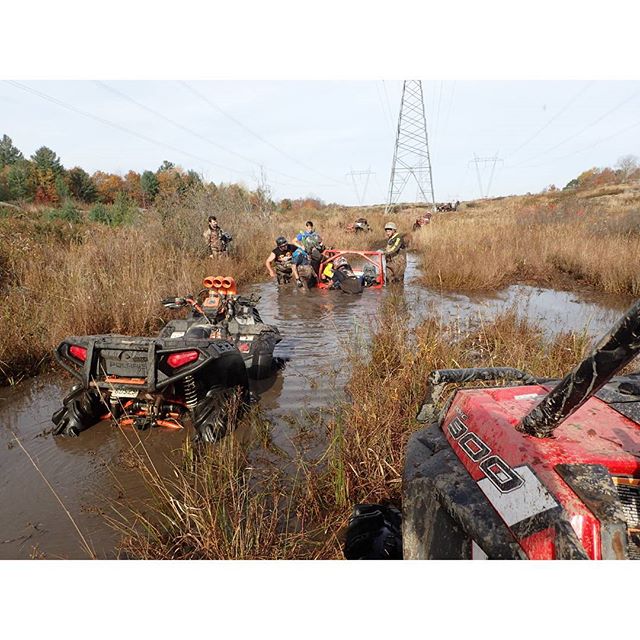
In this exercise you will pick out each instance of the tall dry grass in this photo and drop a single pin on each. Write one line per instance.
(229, 505)
(591, 238)
(59, 279)
(388, 383)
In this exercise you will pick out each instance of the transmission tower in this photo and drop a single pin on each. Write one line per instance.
(485, 161)
(360, 174)
(411, 154)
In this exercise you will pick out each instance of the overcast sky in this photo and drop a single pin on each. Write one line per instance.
(548, 91)
(323, 138)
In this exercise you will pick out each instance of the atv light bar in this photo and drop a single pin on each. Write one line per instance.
(179, 359)
(78, 352)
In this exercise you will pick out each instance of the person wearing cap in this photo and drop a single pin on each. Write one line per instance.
(394, 253)
(281, 258)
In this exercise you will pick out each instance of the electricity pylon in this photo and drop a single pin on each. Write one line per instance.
(478, 161)
(411, 155)
(366, 174)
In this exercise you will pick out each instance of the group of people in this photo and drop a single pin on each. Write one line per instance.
(302, 258)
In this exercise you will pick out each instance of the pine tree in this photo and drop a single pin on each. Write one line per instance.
(8, 153)
(45, 159)
(81, 185)
(149, 185)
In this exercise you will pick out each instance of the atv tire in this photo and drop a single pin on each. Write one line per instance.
(78, 413)
(218, 412)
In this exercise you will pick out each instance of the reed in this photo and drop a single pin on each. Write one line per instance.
(578, 239)
(59, 279)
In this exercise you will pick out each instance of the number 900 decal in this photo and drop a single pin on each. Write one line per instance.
(501, 475)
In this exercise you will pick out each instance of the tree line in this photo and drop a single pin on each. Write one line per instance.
(42, 179)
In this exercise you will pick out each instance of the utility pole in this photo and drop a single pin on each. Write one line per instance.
(353, 174)
(411, 155)
(485, 161)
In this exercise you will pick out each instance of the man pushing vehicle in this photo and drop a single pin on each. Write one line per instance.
(281, 258)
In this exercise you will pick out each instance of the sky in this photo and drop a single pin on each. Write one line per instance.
(330, 139)
(307, 102)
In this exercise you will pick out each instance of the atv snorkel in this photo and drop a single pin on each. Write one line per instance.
(615, 350)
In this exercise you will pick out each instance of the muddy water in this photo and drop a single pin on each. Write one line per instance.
(88, 471)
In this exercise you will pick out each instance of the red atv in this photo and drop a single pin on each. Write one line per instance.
(532, 468)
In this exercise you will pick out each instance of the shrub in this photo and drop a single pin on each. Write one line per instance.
(67, 212)
(100, 213)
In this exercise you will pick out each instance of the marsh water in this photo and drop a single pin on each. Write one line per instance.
(87, 473)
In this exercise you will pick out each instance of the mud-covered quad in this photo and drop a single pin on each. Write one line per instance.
(195, 372)
(360, 225)
(422, 221)
(530, 468)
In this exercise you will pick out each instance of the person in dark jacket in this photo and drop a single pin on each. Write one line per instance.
(303, 272)
(281, 258)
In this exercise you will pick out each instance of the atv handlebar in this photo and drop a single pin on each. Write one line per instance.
(615, 350)
(174, 303)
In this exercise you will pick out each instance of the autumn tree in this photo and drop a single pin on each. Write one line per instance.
(193, 179)
(108, 185)
(627, 166)
(132, 187)
(285, 204)
(46, 191)
(170, 181)
(8, 153)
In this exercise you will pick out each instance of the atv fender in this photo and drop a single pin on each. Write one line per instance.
(444, 510)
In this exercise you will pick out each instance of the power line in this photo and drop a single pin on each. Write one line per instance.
(595, 144)
(453, 89)
(555, 117)
(437, 118)
(385, 110)
(86, 114)
(123, 95)
(386, 95)
(256, 135)
(575, 135)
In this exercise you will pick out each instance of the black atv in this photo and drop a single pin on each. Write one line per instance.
(194, 372)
